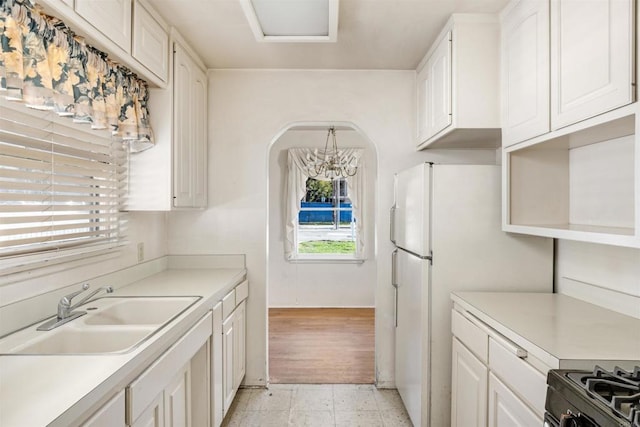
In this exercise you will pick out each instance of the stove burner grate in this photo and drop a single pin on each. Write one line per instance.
(619, 390)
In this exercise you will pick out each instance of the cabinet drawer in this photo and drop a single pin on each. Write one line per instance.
(529, 383)
(242, 292)
(228, 304)
(472, 336)
(144, 389)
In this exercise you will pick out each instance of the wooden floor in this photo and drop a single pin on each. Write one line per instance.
(321, 345)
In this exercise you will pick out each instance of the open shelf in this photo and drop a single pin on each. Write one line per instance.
(581, 185)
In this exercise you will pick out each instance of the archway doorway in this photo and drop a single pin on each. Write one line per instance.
(321, 308)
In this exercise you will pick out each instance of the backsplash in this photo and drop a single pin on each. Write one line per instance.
(608, 276)
(28, 311)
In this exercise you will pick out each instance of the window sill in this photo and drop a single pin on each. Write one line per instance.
(326, 259)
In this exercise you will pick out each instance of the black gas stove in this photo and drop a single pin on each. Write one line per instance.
(599, 398)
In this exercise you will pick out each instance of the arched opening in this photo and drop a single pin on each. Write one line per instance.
(321, 309)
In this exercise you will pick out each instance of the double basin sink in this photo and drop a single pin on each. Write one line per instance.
(111, 325)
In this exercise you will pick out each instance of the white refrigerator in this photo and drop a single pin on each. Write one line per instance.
(446, 226)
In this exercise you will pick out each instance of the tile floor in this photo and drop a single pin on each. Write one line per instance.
(335, 405)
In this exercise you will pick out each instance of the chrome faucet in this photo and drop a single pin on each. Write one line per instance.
(65, 309)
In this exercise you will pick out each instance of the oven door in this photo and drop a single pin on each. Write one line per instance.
(550, 420)
(568, 419)
(560, 412)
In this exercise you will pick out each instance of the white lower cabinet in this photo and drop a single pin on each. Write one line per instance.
(233, 359)
(177, 400)
(493, 382)
(162, 394)
(229, 372)
(153, 415)
(468, 388)
(506, 409)
(194, 382)
(109, 415)
(228, 344)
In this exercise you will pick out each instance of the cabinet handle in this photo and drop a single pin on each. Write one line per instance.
(513, 348)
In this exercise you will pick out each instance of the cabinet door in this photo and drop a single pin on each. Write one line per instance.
(592, 58)
(150, 43)
(190, 132)
(506, 409)
(228, 368)
(153, 415)
(422, 81)
(239, 356)
(439, 88)
(468, 388)
(177, 400)
(217, 396)
(525, 71)
(111, 17)
(110, 415)
(184, 70)
(199, 162)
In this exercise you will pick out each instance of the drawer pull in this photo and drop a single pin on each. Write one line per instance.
(511, 347)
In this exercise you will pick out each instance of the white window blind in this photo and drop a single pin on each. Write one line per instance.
(62, 186)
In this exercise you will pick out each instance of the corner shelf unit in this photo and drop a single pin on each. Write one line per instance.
(579, 183)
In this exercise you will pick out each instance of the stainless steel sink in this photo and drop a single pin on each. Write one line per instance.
(111, 325)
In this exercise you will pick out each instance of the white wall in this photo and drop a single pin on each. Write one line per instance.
(326, 284)
(608, 276)
(249, 110)
(46, 283)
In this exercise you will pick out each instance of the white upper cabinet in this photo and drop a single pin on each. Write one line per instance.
(111, 17)
(190, 142)
(150, 44)
(131, 32)
(571, 171)
(525, 71)
(564, 61)
(592, 58)
(438, 93)
(173, 174)
(458, 85)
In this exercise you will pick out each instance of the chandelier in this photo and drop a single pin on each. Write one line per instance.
(332, 163)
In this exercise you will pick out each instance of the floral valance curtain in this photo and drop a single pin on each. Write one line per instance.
(46, 66)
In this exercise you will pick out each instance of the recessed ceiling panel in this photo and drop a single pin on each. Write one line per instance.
(293, 17)
(293, 20)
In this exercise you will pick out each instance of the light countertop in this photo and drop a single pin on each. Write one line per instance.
(56, 390)
(557, 327)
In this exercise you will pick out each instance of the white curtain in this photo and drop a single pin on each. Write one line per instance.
(298, 164)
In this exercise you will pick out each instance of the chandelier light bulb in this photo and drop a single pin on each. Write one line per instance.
(332, 163)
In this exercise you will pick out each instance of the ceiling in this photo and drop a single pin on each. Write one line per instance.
(372, 34)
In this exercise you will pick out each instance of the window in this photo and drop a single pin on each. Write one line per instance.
(326, 224)
(323, 218)
(61, 189)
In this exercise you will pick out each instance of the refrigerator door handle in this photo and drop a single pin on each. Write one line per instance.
(392, 224)
(394, 269)
(394, 283)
